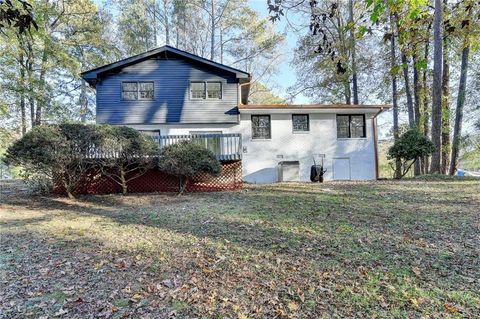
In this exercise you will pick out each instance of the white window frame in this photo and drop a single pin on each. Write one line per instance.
(205, 88)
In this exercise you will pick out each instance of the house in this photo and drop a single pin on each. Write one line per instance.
(173, 95)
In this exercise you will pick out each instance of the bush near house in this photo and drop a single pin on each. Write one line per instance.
(411, 146)
(187, 159)
(53, 151)
(128, 154)
(66, 152)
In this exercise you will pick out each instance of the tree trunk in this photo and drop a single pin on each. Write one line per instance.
(22, 96)
(42, 84)
(445, 111)
(416, 96)
(68, 190)
(445, 100)
(408, 92)
(437, 88)
(406, 78)
(398, 164)
(155, 39)
(166, 23)
(83, 101)
(123, 181)
(425, 112)
(212, 44)
(221, 43)
(457, 130)
(183, 185)
(23, 113)
(31, 100)
(177, 33)
(348, 93)
(353, 54)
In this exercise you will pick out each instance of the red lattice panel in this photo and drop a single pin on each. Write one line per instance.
(157, 181)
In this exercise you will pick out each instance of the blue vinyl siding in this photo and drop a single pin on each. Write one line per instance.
(172, 102)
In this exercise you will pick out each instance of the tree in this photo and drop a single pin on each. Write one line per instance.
(393, 63)
(351, 26)
(435, 165)
(466, 25)
(54, 153)
(410, 147)
(187, 159)
(16, 14)
(40, 70)
(447, 27)
(125, 154)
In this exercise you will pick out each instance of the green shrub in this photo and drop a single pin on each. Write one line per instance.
(410, 146)
(126, 153)
(65, 152)
(53, 151)
(187, 159)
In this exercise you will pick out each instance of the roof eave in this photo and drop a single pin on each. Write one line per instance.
(94, 73)
(312, 107)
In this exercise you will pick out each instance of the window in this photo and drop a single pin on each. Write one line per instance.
(211, 141)
(351, 126)
(300, 123)
(197, 90)
(261, 127)
(132, 91)
(214, 90)
(129, 91)
(205, 90)
(146, 90)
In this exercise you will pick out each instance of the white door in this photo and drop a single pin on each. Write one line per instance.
(341, 168)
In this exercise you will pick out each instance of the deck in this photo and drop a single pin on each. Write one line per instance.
(226, 147)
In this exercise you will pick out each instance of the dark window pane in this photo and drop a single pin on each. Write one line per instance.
(358, 126)
(129, 91)
(214, 90)
(197, 90)
(342, 126)
(146, 90)
(261, 127)
(357, 132)
(300, 123)
(342, 132)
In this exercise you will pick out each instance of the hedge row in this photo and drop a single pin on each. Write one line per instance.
(67, 151)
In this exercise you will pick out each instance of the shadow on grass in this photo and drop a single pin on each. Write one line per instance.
(345, 227)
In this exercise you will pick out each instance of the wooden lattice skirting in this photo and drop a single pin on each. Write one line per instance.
(157, 181)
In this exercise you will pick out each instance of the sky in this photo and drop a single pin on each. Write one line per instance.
(286, 74)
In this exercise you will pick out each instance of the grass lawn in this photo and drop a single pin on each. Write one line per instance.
(366, 249)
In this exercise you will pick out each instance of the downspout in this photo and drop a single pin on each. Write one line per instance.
(239, 95)
(375, 141)
(239, 102)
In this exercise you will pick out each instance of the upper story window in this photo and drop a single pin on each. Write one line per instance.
(351, 126)
(142, 90)
(205, 90)
(197, 90)
(214, 90)
(261, 127)
(300, 123)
